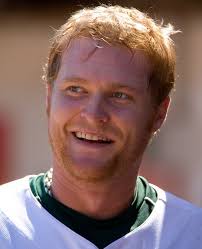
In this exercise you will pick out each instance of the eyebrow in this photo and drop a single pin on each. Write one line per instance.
(75, 80)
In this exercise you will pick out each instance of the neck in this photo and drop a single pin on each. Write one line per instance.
(96, 200)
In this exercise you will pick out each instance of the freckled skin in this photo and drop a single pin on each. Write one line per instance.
(129, 122)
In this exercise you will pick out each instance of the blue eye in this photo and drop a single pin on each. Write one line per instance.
(120, 95)
(75, 89)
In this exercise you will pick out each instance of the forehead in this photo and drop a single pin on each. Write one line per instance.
(97, 60)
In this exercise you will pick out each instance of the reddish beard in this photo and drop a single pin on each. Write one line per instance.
(129, 155)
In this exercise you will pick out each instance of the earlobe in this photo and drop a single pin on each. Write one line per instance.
(161, 113)
(48, 98)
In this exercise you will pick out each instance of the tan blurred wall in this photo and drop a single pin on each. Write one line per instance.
(173, 160)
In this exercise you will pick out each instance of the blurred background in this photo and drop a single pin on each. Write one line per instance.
(174, 159)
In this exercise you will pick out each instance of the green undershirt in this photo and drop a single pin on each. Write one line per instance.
(99, 232)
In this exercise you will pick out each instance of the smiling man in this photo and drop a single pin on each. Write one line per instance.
(108, 78)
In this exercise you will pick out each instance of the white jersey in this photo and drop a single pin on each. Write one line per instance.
(25, 224)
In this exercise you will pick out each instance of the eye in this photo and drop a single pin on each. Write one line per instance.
(75, 90)
(120, 95)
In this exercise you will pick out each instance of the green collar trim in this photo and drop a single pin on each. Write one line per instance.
(99, 232)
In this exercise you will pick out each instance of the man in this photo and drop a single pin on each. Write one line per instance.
(108, 78)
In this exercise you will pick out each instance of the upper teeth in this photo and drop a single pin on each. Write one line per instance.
(90, 137)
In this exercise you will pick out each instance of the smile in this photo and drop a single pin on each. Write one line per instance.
(91, 138)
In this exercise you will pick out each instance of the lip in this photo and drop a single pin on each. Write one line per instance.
(93, 133)
(89, 146)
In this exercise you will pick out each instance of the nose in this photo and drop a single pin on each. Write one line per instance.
(95, 111)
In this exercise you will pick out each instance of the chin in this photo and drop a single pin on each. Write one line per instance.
(91, 170)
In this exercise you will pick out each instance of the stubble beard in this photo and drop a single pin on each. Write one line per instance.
(64, 159)
(127, 157)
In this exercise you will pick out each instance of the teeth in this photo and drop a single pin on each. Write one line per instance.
(88, 136)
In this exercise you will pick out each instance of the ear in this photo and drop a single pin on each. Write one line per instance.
(161, 113)
(48, 98)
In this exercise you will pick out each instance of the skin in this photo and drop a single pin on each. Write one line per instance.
(101, 90)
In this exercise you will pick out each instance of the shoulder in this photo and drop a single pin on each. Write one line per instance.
(15, 201)
(15, 197)
(177, 219)
(174, 203)
(11, 186)
(13, 193)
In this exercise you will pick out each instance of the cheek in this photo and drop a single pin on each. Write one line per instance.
(132, 122)
(63, 109)
(125, 117)
(125, 121)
